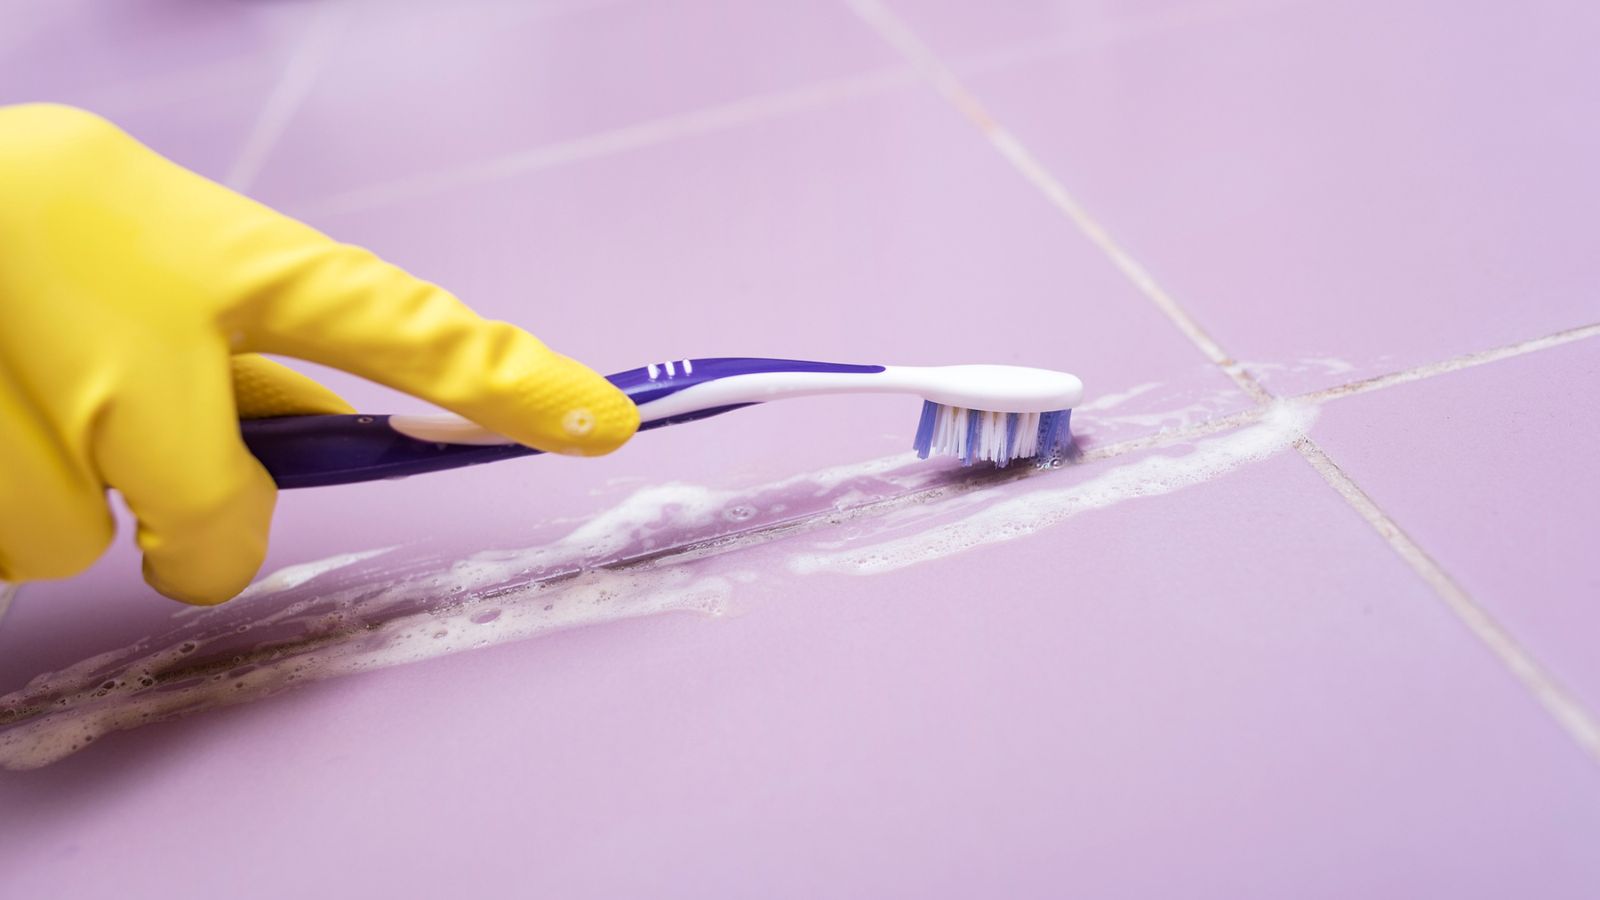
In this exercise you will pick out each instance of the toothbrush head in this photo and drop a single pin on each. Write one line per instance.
(997, 437)
(995, 413)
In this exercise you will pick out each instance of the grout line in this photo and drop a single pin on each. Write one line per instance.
(900, 36)
(918, 54)
(294, 85)
(1159, 439)
(1568, 712)
(606, 143)
(1454, 364)
(1328, 395)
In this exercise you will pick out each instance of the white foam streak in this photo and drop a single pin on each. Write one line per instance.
(1112, 401)
(1034, 510)
(293, 576)
(372, 622)
(302, 629)
(589, 598)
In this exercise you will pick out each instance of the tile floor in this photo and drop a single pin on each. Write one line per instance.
(1311, 615)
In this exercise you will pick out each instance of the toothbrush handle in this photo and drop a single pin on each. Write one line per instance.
(315, 451)
(318, 451)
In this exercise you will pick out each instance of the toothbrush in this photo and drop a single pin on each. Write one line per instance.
(993, 413)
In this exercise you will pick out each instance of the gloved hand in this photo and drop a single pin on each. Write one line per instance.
(129, 290)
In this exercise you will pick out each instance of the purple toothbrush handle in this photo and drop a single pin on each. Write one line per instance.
(315, 451)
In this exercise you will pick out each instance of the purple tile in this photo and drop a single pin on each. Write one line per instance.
(962, 29)
(80, 51)
(1431, 200)
(188, 79)
(1275, 707)
(414, 94)
(204, 128)
(1491, 470)
(1193, 667)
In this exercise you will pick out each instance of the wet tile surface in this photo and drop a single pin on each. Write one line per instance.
(913, 681)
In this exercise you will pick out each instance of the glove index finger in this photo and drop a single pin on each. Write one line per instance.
(341, 306)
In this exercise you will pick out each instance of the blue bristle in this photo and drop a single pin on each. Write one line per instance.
(937, 431)
(1055, 433)
(1012, 421)
(923, 442)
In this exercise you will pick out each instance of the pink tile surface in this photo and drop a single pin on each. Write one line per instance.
(82, 50)
(1492, 471)
(395, 100)
(865, 226)
(1426, 202)
(1228, 689)
(1275, 707)
(962, 30)
(205, 128)
(187, 78)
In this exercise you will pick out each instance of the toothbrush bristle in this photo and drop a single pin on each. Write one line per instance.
(974, 434)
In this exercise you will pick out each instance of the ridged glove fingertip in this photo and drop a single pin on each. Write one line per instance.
(602, 425)
(579, 413)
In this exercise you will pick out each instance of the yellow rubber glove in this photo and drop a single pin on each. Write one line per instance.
(129, 290)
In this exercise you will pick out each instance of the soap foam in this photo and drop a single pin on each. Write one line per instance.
(658, 517)
(293, 576)
(1035, 510)
(650, 554)
(1153, 405)
(135, 696)
(1112, 401)
(489, 598)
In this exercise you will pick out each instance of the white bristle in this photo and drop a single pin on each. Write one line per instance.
(950, 428)
(1027, 436)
